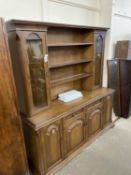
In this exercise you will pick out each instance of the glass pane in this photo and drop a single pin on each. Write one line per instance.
(98, 59)
(37, 72)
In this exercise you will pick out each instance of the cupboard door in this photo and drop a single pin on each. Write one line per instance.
(34, 63)
(36, 68)
(74, 132)
(107, 110)
(99, 57)
(52, 142)
(94, 118)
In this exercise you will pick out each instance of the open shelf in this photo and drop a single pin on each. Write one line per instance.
(81, 61)
(70, 44)
(68, 79)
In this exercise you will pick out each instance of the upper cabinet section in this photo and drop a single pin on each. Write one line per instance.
(30, 61)
(49, 59)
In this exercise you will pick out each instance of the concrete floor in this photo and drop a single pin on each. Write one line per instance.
(110, 154)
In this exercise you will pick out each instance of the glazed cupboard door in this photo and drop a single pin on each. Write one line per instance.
(74, 132)
(99, 37)
(12, 150)
(34, 63)
(94, 116)
(51, 137)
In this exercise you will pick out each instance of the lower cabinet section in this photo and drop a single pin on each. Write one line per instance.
(55, 143)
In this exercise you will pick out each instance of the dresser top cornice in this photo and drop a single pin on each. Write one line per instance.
(23, 24)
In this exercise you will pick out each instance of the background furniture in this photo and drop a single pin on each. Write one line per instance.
(123, 49)
(12, 150)
(49, 59)
(119, 71)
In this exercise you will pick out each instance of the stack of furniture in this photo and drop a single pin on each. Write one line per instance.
(119, 71)
(123, 49)
(50, 59)
(13, 159)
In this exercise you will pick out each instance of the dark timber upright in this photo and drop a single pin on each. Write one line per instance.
(119, 71)
(12, 150)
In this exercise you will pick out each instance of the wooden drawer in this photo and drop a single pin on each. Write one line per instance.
(95, 104)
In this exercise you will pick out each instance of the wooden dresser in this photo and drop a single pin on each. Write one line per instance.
(49, 59)
(13, 160)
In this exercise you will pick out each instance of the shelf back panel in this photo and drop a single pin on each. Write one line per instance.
(68, 35)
